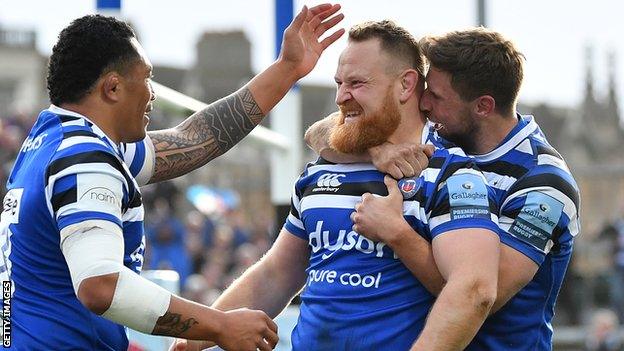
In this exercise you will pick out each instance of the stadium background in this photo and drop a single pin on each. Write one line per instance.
(213, 223)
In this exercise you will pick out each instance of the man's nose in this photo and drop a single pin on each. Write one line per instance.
(342, 95)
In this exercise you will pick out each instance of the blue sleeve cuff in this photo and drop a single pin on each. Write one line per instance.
(464, 224)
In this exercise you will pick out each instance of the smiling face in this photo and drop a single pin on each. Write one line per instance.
(136, 98)
(366, 98)
(442, 105)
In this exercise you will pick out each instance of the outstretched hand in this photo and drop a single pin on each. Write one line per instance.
(301, 44)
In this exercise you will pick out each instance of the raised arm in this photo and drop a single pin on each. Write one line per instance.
(214, 130)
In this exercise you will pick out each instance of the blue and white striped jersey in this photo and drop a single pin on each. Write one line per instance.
(67, 175)
(538, 203)
(358, 295)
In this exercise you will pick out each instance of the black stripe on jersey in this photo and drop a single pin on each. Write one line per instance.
(547, 180)
(557, 232)
(352, 189)
(548, 150)
(504, 168)
(322, 161)
(63, 198)
(135, 201)
(419, 196)
(65, 118)
(436, 162)
(79, 133)
(293, 210)
(98, 156)
(454, 167)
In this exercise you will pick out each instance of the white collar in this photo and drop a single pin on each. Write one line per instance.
(507, 146)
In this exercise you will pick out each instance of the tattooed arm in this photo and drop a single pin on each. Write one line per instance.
(214, 130)
(240, 329)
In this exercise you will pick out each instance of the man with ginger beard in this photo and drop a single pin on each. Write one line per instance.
(357, 295)
(355, 136)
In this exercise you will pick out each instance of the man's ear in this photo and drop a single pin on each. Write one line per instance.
(110, 86)
(484, 105)
(409, 83)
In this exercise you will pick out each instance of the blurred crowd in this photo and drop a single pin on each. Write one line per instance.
(208, 252)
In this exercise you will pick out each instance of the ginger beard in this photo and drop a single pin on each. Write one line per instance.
(368, 130)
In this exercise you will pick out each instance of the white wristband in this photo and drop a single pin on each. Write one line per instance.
(93, 251)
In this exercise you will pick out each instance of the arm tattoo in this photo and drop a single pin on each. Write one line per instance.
(205, 135)
(172, 324)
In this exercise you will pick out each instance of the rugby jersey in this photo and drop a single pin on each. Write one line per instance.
(358, 295)
(68, 172)
(538, 203)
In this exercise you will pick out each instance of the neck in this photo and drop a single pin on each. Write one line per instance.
(492, 132)
(410, 128)
(96, 113)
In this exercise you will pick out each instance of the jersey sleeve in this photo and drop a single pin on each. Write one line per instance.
(293, 223)
(540, 214)
(461, 199)
(86, 185)
(140, 157)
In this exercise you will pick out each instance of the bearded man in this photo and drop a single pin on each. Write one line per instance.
(357, 294)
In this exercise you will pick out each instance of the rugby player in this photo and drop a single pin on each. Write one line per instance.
(72, 225)
(471, 97)
(357, 295)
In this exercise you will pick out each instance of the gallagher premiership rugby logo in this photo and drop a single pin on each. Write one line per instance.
(467, 196)
(537, 220)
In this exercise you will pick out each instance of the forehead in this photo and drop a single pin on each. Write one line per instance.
(144, 61)
(361, 58)
(439, 79)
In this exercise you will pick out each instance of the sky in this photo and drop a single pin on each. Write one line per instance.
(553, 34)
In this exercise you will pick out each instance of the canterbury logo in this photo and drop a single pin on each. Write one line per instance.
(331, 179)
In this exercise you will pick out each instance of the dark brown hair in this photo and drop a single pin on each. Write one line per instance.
(395, 40)
(480, 62)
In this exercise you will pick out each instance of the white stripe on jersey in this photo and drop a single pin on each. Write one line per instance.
(329, 201)
(95, 192)
(101, 168)
(76, 122)
(413, 208)
(441, 219)
(135, 214)
(341, 168)
(525, 147)
(298, 223)
(80, 140)
(456, 151)
(430, 174)
(498, 181)
(546, 159)
(129, 151)
(149, 163)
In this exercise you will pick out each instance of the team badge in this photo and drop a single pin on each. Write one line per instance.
(408, 187)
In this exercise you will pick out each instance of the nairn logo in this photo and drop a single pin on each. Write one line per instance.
(100, 194)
